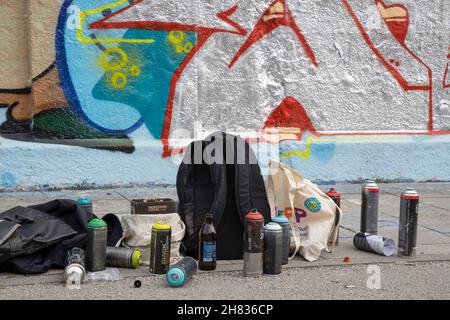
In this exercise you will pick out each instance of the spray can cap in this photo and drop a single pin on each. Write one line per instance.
(371, 186)
(160, 225)
(410, 194)
(175, 277)
(333, 193)
(272, 226)
(84, 201)
(97, 223)
(280, 219)
(254, 215)
(136, 258)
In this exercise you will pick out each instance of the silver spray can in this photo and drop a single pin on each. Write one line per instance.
(74, 271)
(374, 243)
(407, 233)
(273, 248)
(96, 245)
(123, 257)
(253, 244)
(369, 207)
(284, 223)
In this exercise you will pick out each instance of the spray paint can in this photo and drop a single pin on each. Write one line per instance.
(160, 248)
(369, 207)
(374, 243)
(96, 245)
(407, 233)
(253, 244)
(86, 204)
(336, 197)
(284, 223)
(273, 248)
(123, 257)
(75, 270)
(181, 272)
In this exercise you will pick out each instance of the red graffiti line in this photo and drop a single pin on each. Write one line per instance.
(400, 79)
(446, 85)
(277, 15)
(202, 38)
(168, 26)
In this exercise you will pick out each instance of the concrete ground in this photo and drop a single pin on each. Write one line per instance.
(423, 277)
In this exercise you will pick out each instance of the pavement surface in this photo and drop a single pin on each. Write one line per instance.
(427, 276)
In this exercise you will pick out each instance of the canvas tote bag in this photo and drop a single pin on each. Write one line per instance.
(311, 213)
(138, 233)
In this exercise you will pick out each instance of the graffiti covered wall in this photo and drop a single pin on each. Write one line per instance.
(101, 91)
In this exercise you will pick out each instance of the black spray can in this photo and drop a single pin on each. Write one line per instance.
(273, 248)
(75, 268)
(181, 272)
(253, 244)
(160, 248)
(374, 243)
(123, 257)
(369, 207)
(96, 245)
(284, 223)
(407, 233)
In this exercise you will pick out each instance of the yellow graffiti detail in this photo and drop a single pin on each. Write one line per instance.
(180, 49)
(310, 140)
(119, 80)
(176, 38)
(84, 14)
(188, 47)
(116, 66)
(135, 71)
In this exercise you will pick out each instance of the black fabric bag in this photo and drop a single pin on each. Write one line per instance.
(47, 231)
(226, 182)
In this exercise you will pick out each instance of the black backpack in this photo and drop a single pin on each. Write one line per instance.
(220, 175)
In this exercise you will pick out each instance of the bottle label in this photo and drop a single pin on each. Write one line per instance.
(209, 251)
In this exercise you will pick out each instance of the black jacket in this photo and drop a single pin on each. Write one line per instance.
(47, 231)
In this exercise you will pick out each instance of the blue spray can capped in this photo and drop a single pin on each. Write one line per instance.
(86, 204)
(181, 272)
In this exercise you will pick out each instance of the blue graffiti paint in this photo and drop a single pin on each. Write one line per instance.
(148, 93)
(87, 85)
(78, 76)
(323, 152)
(8, 180)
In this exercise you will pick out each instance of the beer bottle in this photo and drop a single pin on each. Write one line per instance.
(207, 245)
